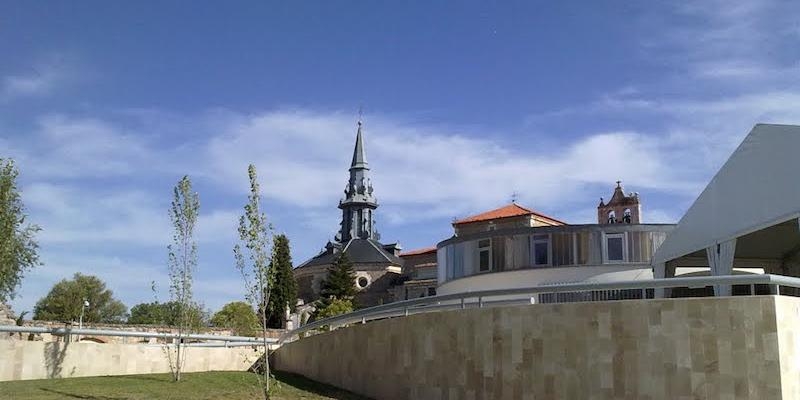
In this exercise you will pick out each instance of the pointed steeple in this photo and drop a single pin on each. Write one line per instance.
(359, 157)
(359, 202)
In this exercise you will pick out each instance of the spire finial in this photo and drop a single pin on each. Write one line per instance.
(360, 115)
(618, 183)
(514, 197)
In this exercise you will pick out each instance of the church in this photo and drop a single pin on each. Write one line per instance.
(378, 266)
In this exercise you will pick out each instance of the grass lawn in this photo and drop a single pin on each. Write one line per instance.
(199, 385)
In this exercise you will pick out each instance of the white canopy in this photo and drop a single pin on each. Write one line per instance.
(758, 187)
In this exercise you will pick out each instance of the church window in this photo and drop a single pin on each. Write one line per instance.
(485, 255)
(626, 216)
(541, 250)
(362, 282)
(615, 247)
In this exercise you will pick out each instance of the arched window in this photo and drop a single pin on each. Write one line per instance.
(626, 216)
(612, 217)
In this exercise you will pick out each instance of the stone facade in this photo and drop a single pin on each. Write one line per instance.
(693, 348)
(6, 316)
(379, 280)
(621, 209)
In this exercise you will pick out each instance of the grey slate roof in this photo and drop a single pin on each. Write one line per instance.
(358, 251)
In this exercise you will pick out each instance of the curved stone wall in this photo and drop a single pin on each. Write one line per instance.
(710, 348)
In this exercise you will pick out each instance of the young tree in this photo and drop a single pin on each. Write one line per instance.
(237, 315)
(338, 289)
(182, 261)
(253, 261)
(65, 300)
(284, 287)
(17, 243)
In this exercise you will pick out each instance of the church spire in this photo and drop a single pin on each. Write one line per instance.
(359, 203)
(359, 158)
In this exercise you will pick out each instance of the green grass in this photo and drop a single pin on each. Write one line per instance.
(200, 385)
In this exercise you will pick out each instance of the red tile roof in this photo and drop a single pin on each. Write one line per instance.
(416, 252)
(511, 210)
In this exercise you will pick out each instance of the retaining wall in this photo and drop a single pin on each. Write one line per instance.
(20, 360)
(692, 348)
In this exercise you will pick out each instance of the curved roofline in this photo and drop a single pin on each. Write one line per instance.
(610, 228)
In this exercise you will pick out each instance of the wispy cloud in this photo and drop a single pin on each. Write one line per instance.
(38, 80)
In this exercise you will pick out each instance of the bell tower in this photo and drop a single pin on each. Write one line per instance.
(359, 204)
(620, 209)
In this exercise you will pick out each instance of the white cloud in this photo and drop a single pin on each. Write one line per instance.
(302, 158)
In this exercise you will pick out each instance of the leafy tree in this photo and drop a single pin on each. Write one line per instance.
(253, 262)
(335, 307)
(284, 287)
(238, 316)
(65, 300)
(182, 261)
(168, 313)
(148, 314)
(18, 247)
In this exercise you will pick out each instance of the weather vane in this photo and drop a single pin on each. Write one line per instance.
(360, 114)
(514, 197)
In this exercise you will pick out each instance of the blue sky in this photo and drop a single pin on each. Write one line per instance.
(106, 105)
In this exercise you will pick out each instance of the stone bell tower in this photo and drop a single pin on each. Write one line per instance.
(621, 208)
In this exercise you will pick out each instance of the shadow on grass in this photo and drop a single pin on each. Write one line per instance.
(151, 378)
(321, 389)
(81, 396)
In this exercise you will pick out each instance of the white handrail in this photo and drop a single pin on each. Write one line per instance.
(121, 333)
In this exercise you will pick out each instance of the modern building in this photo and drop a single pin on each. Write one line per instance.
(514, 246)
(378, 266)
(746, 219)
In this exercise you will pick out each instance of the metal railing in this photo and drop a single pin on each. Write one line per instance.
(68, 332)
(518, 296)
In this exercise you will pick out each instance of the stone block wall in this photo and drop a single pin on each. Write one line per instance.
(22, 360)
(692, 348)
